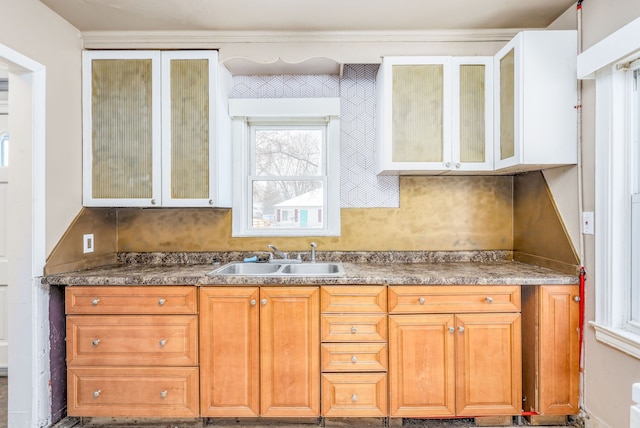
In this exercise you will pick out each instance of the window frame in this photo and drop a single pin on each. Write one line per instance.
(616, 179)
(247, 113)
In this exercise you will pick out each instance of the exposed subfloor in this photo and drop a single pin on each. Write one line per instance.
(4, 394)
(239, 423)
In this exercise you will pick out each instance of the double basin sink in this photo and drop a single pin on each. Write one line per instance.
(279, 269)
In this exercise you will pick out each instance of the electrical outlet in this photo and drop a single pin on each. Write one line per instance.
(88, 243)
(588, 227)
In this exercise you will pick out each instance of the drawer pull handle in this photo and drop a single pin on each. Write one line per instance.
(452, 330)
(461, 329)
(95, 342)
(421, 300)
(263, 301)
(163, 394)
(94, 302)
(354, 330)
(161, 302)
(489, 299)
(576, 299)
(163, 342)
(354, 397)
(354, 359)
(252, 302)
(96, 394)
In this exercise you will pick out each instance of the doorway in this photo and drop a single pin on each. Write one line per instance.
(27, 301)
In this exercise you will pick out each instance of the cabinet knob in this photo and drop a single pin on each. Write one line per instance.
(163, 394)
(354, 359)
(461, 329)
(576, 299)
(252, 302)
(458, 165)
(94, 302)
(161, 302)
(421, 300)
(96, 394)
(354, 330)
(95, 342)
(163, 342)
(452, 330)
(263, 301)
(354, 397)
(489, 299)
(153, 201)
(447, 164)
(210, 201)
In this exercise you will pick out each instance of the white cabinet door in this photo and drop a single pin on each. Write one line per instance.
(189, 157)
(121, 128)
(535, 101)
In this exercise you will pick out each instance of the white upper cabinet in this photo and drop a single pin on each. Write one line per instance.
(434, 115)
(154, 130)
(536, 96)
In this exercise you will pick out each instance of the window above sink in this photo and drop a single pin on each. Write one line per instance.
(286, 167)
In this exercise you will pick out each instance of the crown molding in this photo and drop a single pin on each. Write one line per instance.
(214, 39)
(264, 52)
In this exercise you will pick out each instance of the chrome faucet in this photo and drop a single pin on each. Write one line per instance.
(313, 252)
(278, 252)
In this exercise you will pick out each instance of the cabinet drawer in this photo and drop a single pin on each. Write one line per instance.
(354, 357)
(454, 298)
(129, 340)
(354, 328)
(131, 300)
(353, 299)
(128, 391)
(355, 395)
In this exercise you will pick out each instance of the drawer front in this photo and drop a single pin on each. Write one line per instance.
(128, 340)
(354, 395)
(127, 391)
(354, 299)
(131, 300)
(354, 357)
(354, 328)
(454, 298)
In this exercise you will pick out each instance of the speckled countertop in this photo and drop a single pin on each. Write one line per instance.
(415, 268)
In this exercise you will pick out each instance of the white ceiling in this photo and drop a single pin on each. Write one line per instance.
(300, 15)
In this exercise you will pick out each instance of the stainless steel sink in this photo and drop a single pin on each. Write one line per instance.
(313, 269)
(275, 269)
(239, 268)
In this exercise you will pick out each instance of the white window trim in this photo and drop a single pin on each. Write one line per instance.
(242, 111)
(613, 186)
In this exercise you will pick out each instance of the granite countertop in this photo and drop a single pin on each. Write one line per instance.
(481, 269)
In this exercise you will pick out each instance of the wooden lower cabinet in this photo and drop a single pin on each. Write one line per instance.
(551, 349)
(132, 351)
(260, 351)
(354, 351)
(454, 364)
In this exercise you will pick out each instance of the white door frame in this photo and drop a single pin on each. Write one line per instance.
(29, 373)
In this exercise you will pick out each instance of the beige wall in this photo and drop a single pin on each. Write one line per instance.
(609, 373)
(36, 32)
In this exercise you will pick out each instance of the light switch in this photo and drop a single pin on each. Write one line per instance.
(587, 223)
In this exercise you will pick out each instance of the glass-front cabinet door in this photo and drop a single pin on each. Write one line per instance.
(150, 129)
(434, 115)
(121, 108)
(188, 139)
